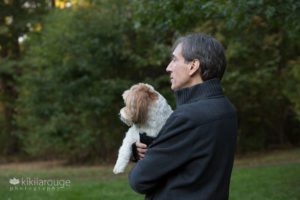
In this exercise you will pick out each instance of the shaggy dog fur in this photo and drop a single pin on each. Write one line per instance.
(145, 111)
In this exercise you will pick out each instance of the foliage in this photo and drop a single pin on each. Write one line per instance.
(76, 70)
(259, 69)
(259, 59)
(70, 95)
(16, 19)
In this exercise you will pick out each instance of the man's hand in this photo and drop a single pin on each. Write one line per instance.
(141, 149)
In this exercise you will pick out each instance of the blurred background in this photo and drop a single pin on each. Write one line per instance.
(64, 65)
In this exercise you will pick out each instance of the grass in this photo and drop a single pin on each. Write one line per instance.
(275, 182)
(271, 176)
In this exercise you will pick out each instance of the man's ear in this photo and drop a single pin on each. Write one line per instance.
(194, 67)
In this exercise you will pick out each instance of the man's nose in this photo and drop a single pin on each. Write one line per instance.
(168, 69)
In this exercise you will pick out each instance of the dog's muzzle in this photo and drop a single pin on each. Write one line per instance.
(125, 120)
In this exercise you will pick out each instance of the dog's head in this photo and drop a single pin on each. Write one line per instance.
(137, 101)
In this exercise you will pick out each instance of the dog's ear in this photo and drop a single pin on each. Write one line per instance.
(125, 95)
(143, 97)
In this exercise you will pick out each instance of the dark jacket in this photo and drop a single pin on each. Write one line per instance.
(192, 157)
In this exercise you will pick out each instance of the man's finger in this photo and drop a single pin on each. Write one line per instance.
(141, 150)
(141, 145)
(141, 155)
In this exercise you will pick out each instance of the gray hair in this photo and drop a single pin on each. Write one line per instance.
(207, 50)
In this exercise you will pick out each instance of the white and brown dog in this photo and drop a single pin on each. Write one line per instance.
(145, 111)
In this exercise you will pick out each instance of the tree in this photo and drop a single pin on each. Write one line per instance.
(77, 67)
(262, 43)
(72, 86)
(258, 59)
(16, 19)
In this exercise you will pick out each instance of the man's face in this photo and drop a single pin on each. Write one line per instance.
(179, 70)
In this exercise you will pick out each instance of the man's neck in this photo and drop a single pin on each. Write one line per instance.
(209, 88)
(195, 81)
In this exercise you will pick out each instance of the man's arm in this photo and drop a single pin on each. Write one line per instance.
(167, 153)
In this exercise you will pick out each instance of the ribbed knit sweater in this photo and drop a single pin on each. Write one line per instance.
(192, 157)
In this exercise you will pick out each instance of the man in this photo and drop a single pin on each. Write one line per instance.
(192, 157)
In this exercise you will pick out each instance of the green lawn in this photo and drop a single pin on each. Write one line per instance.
(274, 176)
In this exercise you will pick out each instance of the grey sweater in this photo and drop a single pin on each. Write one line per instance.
(192, 157)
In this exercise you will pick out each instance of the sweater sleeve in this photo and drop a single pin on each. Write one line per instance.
(167, 153)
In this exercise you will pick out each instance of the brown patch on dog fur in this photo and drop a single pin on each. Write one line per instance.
(138, 99)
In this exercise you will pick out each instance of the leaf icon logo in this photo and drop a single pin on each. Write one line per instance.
(14, 181)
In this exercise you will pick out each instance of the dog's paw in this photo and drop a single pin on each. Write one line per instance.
(118, 170)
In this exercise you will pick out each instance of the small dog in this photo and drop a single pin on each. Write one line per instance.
(145, 111)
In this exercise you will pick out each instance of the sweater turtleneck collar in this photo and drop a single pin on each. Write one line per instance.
(206, 89)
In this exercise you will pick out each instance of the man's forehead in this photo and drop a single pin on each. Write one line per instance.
(177, 50)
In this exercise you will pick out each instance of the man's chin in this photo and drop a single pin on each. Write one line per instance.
(173, 87)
